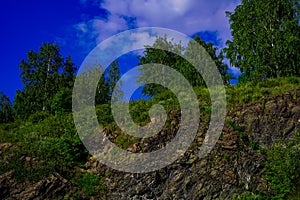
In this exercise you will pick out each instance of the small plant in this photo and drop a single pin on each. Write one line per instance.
(90, 184)
(254, 145)
(125, 141)
(242, 134)
(250, 196)
(234, 125)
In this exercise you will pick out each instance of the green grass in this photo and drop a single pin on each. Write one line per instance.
(241, 94)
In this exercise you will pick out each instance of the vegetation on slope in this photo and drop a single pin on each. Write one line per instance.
(47, 143)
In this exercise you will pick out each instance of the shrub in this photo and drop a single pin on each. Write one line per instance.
(53, 144)
(283, 167)
(293, 80)
(38, 116)
(90, 184)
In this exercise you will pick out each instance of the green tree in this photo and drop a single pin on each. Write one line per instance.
(266, 39)
(112, 79)
(5, 109)
(105, 85)
(43, 75)
(155, 54)
(23, 103)
(68, 73)
(62, 101)
(211, 50)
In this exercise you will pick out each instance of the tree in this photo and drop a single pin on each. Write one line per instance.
(112, 79)
(266, 39)
(211, 50)
(62, 101)
(105, 85)
(68, 73)
(43, 75)
(154, 54)
(5, 109)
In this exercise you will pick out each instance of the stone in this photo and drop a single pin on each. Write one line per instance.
(5, 146)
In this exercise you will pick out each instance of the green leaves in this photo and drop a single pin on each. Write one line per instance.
(43, 74)
(5, 109)
(172, 56)
(62, 102)
(266, 39)
(280, 167)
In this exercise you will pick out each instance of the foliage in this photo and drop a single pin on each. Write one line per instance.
(251, 196)
(283, 167)
(62, 101)
(106, 82)
(43, 75)
(125, 141)
(52, 144)
(266, 39)
(38, 116)
(211, 51)
(282, 171)
(5, 109)
(104, 114)
(112, 79)
(170, 54)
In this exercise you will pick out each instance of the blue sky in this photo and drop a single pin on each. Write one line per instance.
(79, 25)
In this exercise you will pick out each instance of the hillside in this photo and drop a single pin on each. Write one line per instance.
(256, 157)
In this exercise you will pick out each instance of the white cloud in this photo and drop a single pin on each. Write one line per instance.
(105, 29)
(186, 16)
(140, 39)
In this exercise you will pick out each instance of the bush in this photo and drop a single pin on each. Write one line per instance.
(283, 167)
(38, 116)
(293, 80)
(53, 144)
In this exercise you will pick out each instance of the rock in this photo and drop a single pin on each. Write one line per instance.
(53, 187)
(5, 146)
(5, 183)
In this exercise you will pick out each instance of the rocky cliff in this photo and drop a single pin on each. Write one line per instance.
(231, 169)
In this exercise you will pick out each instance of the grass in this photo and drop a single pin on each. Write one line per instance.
(241, 94)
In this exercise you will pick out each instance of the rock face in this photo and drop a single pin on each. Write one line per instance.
(231, 169)
(53, 187)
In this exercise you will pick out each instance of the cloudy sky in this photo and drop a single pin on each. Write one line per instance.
(79, 25)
